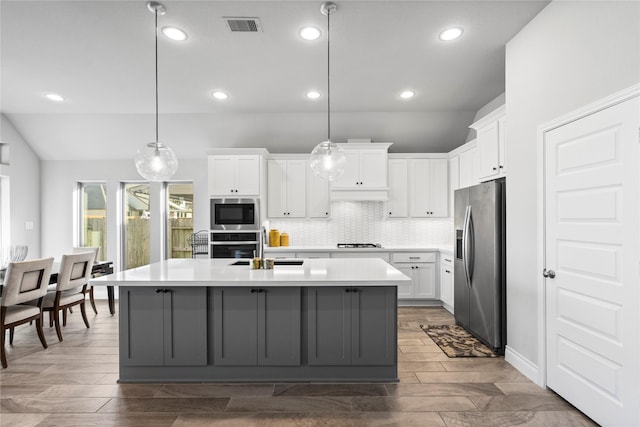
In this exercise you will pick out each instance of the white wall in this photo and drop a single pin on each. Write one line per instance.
(571, 54)
(23, 173)
(59, 183)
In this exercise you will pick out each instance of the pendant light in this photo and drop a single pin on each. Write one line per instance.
(327, 159)
(155, 161)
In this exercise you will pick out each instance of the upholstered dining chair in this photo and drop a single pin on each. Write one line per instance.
(89, 288)
(74, 274)
(24, 282)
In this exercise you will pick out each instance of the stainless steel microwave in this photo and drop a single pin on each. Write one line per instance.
(235, 214)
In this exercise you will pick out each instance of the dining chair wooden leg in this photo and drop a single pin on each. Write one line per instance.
(83, 310)
(41, 332)
(64, 317)
(93, 302)
(56, 320)
(51, 319)
(3, 357)
(10, 336)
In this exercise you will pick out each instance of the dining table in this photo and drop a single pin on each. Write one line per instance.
(100, 268)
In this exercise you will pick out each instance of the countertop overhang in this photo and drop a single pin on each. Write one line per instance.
(220, 272)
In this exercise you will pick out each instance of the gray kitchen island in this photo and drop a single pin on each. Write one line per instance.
(210, 320)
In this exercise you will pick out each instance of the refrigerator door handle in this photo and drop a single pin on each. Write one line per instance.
(471, 244)
(465, 245)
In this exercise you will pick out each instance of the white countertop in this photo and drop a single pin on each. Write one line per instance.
(220, 272)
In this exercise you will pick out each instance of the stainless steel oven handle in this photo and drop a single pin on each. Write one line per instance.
(465, 246)
(232, 243)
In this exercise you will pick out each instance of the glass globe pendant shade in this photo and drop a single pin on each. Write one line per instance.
(156, 162)
(328, 160)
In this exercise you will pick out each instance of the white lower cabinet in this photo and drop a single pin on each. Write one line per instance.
(446, 281)
(421, 268)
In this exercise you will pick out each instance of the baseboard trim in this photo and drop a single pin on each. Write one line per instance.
(522, 364)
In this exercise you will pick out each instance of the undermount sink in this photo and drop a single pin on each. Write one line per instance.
(276, 262)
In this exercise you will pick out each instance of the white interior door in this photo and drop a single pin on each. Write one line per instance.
(592, 245)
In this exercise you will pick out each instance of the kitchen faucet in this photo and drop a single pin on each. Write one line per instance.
(262, 241)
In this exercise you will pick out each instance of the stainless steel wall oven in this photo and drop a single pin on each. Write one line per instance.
(234, 244)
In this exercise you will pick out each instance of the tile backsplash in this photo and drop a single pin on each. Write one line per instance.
(364, 222)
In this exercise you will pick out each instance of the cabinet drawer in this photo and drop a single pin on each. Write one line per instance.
(313, 255)
(446, 260)
(414, 257)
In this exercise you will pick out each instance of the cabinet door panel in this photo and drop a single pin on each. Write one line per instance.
(317, 195)
(405, 290)
(141, 322)
(468, 168)
(296, 188)
(247, 175)
(221, 176)
(446, 284)
(329, 324)
(425, 278)
(185, 325)
(277, 188)
(398, 204)
(488, 150)
(373, 325)
(279, 327)
(438, 187)
(235, 327)
(373, 169)
(418, 182)
(351, 175)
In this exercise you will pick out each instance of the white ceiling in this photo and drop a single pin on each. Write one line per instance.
(99, 55)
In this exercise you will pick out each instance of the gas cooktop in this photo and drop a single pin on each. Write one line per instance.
(359, 245)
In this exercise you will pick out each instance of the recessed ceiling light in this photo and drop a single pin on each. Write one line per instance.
(54, 97)
(451, 33)
(310, 33)
(218, 94)
(174, 33)
(407, 94)
(313, 94)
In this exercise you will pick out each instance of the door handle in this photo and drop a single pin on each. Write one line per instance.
(550, 274)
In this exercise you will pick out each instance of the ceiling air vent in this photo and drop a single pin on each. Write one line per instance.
(243, 25)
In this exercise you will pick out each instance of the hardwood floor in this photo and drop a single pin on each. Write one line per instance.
(73, 383)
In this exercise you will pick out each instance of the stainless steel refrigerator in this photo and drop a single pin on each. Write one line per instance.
(479, 266)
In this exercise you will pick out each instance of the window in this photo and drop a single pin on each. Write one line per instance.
(179, 211)
(93, 216)
(136, 227)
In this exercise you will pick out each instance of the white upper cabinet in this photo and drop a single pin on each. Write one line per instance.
(428, 188)
(468, 166)
(398, 204)
(318, 202)
(286, 188)
(454, 180)
(491, 142)
(365, 175)
(234, 175)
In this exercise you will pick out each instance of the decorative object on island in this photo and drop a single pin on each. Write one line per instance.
(155, 161)
(327, 158)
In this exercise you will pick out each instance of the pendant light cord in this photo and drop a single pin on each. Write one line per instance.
(328, 75)
(156, 38)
